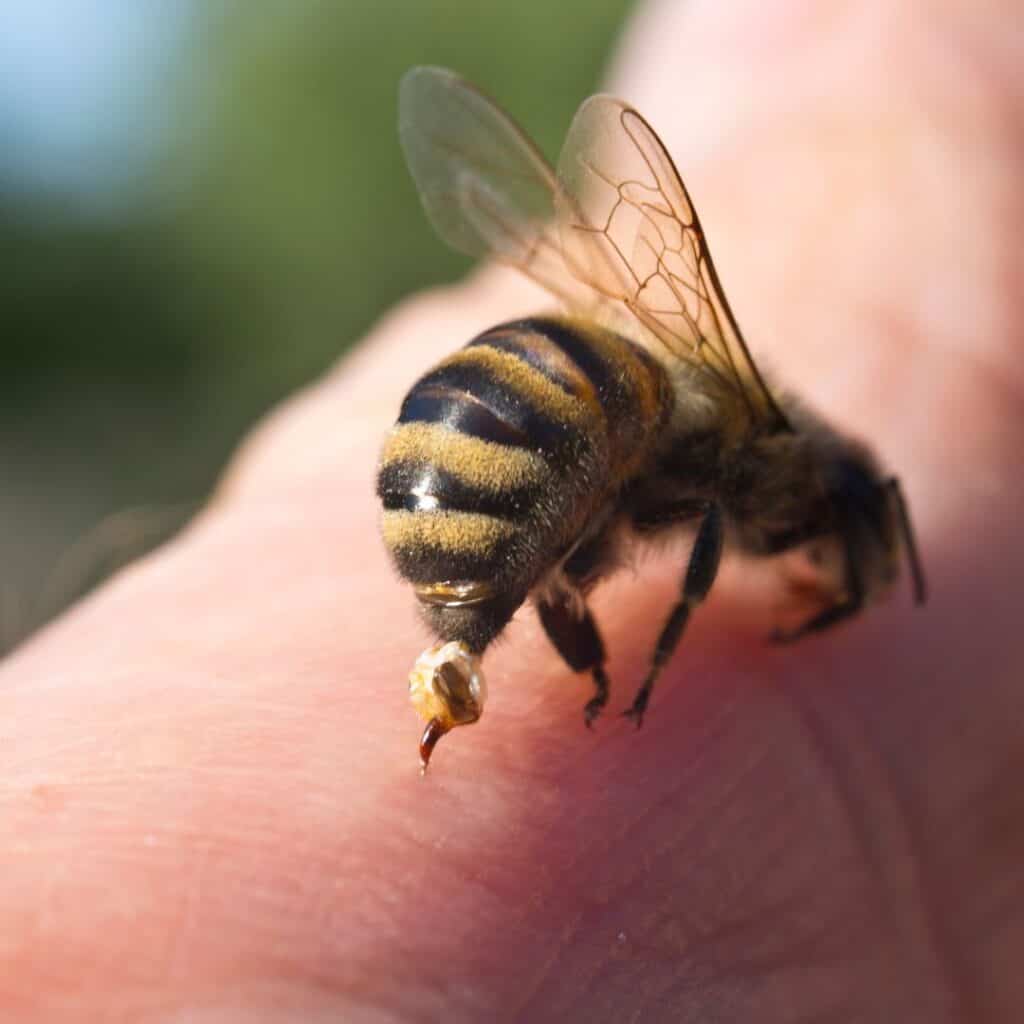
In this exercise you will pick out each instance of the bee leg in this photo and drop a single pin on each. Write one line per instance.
(577, 640)
(700, 574)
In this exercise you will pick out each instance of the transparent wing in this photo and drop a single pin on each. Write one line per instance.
(623, 197)
(613, 228)
(487, 190)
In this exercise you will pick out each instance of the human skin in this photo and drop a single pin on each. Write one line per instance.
(210, 803)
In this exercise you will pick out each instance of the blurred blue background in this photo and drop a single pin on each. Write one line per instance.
(201, 206)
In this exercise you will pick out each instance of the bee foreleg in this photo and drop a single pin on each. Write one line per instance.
(576, 638)
(700, 574)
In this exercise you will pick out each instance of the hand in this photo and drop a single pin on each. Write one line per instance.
(210, 792)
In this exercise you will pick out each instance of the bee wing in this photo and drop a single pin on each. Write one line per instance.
(614, 227)
(486, 188)
(628, 223)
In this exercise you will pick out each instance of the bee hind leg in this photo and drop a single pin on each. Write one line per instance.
(700, 574)
(576, 638)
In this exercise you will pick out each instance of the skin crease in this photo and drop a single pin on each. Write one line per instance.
(210, 807)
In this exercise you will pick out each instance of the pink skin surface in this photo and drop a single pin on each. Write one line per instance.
(210, 802)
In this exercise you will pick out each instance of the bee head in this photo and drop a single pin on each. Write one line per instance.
(875, 522)
(447, 688)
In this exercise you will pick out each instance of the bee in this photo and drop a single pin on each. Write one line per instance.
(521, 464)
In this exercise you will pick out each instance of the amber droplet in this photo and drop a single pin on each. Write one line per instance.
(434, 731)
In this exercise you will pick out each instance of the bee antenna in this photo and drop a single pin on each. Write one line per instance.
(910, 544)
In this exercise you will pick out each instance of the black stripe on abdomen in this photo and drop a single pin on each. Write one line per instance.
(423, 487)
(462, 412)
(430, 563)
(473, 400)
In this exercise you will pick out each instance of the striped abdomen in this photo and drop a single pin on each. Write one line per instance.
(504, 451)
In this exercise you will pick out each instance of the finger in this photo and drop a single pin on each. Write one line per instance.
(211, 775)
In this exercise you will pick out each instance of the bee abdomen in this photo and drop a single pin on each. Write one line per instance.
(504, 450)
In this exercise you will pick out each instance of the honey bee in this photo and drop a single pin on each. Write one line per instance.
(521, 465)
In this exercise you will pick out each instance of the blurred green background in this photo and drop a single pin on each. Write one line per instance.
(201, 206)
